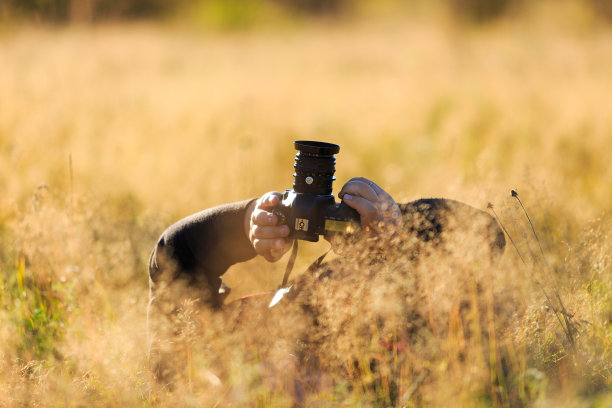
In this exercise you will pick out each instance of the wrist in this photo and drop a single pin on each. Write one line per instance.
(247, 218)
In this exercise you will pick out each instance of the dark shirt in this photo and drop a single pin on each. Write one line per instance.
(200, 248)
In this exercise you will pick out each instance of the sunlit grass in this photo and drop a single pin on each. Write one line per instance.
(109, 134)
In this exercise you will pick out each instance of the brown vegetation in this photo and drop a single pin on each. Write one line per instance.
(110, 133)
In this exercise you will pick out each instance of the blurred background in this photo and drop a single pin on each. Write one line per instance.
(245, 12)
(119, 117)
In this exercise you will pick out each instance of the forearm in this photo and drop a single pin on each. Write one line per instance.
(203, 245)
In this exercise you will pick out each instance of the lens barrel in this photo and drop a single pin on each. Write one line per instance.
(314, 167)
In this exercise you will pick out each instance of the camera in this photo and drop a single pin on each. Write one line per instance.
(309, 209)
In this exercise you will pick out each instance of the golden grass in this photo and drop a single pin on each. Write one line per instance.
(132, 127)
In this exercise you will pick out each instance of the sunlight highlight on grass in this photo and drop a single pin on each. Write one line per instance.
(110, 133)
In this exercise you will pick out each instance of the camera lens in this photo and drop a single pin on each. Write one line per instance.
(314, 167)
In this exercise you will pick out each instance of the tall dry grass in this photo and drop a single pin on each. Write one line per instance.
(108, 134)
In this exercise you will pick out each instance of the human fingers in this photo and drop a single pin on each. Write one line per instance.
(389, 213)
(368, 211)
(269, 200)
(360, 187)
(279, 249)
(382, 194)
(268, 239)
(385, 202)
(263, 218)
(269, 232)
(271, 249)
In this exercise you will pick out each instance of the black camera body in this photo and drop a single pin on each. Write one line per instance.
(309, 209)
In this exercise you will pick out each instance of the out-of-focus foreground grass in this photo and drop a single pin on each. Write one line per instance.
(110, 133)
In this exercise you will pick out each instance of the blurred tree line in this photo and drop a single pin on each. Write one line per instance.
(65, 11)
(62, 11)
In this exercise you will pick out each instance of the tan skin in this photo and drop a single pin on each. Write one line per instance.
(379, 213)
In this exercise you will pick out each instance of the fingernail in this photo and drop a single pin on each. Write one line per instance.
(279, 243)
(347, 197)
(284, 229)
(270, 218)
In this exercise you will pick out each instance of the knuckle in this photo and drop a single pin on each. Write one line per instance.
(260, 218)
(271, 195)
(259, 246)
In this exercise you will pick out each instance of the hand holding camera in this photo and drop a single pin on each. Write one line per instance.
(309, 209)
(375, 206)
(269, 239)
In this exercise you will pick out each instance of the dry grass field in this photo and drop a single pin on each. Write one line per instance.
(110, 133)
